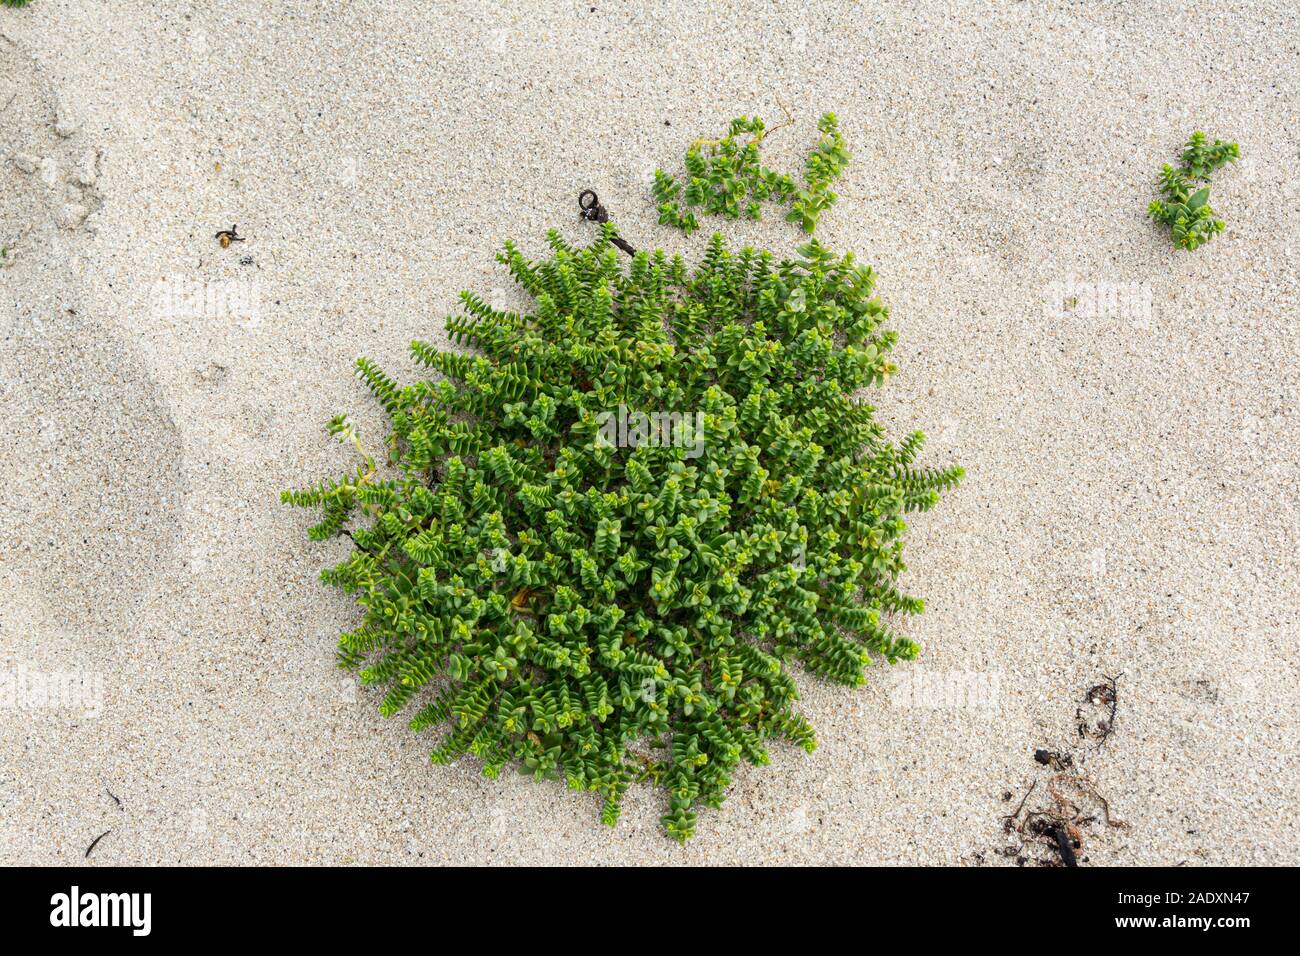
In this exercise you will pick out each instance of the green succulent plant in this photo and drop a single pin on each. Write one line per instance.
(1185, 208)
(726, 177)
(610, 600)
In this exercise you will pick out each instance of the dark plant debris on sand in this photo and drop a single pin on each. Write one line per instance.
(1096, 715)
(1049, 831)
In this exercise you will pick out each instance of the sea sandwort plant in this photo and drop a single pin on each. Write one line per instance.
(1185, 208)
(726, 177)
(610, 612)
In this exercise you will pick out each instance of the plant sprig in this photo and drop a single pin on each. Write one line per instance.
(1185, 208)
(727, 177)
(824, 165)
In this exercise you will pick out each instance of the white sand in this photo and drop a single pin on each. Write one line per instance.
(1131, 500)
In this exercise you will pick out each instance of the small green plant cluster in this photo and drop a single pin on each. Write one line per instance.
(824, 165)
(16, 3)
(726, 177)
(1186, 208)
(606, 605)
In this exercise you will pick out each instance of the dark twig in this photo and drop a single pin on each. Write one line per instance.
(113, 795)
(1063, 844)
(96, 843)
(1011, 817)
(1087, 788)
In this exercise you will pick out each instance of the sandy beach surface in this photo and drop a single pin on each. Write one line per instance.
(1126, 412)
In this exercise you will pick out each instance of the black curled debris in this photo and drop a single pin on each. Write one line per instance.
(590, 206)
(591, 209)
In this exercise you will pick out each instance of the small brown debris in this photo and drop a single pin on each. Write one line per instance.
(1054, 759)
(1096, 715)
(226, 236)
